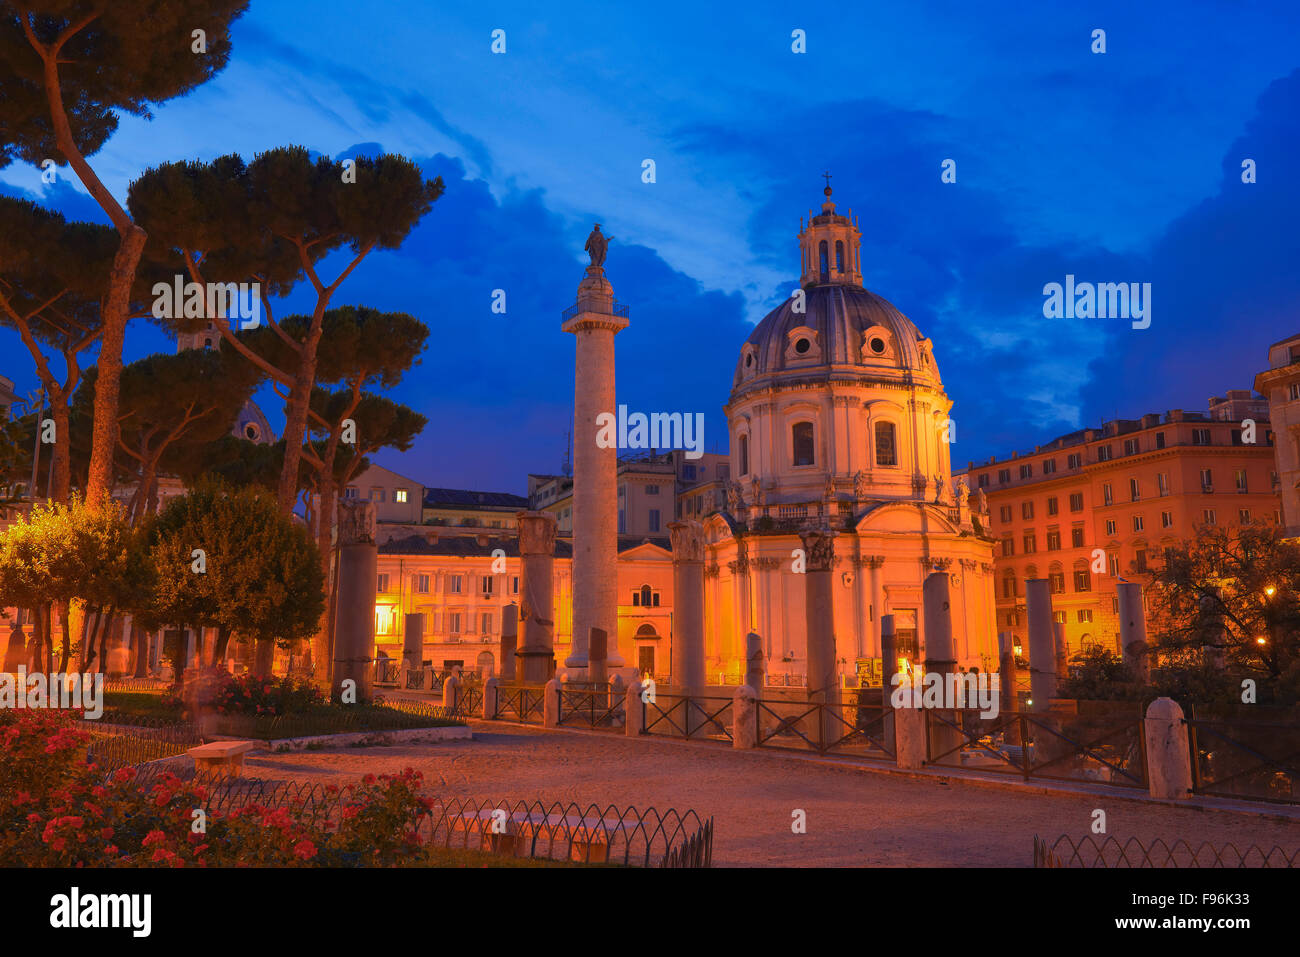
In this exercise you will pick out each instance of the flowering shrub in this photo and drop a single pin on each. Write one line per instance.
(58, 811)
(217, 690)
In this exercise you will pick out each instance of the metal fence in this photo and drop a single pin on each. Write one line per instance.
(843, 725)
(601, 708)
(1097, 748)
(1109, 852)
(690, 716)
(1248, 760)
(531, 829)
(114, 746)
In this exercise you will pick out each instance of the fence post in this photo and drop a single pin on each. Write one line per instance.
(491, 689)
(744, 718)
(450, 692)
(909, 732)
(635, 709)
(551, 704)
(1169, 755)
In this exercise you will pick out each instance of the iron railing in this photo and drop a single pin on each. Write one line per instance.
(114, 746)
(469, 702)
(1087, 851)
(1037, 745)
(523, 703)
(592, 707)
(1248, 760)
(837, 727)
(689, 716)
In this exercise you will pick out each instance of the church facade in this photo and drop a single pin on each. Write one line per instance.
(838, 420)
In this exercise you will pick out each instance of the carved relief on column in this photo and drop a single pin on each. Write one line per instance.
(986, 568)
(687, 541)
(819, 549)
(536, 533)
(765, 564)
(712, 571)
(356, 522)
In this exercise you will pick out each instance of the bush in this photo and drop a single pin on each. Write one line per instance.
(217, 690)
(1099, 674)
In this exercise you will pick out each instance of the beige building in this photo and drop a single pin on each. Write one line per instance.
(1280, 384)
(838, 418)
(465, 508)
(398, 500)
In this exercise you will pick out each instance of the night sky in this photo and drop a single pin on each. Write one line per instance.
(1115, 167)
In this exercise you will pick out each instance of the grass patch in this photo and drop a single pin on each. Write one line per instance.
(328, 719)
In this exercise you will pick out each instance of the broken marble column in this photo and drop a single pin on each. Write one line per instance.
(819, 609)
(509, 640)
(941, 660)
(1133, 630)
(354, 618)
(688, 615)
(413, 641)
(1169, 757)
(578, 656)
(1042, 643)
(744, 718)
(1062, 652)
(597, 653)
(536, 655)
(888, 668)
(755, 663)
(634, 709)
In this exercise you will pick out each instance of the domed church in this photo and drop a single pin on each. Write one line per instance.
(838, 420)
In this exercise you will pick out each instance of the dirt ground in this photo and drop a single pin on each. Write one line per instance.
(854, 818)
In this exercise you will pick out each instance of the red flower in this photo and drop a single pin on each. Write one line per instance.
(304, 850)
(153, 837)
(106, 833)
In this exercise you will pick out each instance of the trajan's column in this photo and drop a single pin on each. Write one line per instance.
(594, 320)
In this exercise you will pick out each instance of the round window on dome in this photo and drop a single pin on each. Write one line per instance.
(801, 346)
(877, 345)
(749, 360)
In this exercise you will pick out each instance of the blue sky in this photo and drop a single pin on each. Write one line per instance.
(1123, 166)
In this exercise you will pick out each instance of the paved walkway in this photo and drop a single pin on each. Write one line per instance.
(854, 817)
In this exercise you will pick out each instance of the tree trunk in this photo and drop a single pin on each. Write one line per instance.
(223, 642)
(92, 619)
(140, 639)
(263, 657)
(65, 626)
(106, 635)
(296, 409)
(47, 637)
(320, 642)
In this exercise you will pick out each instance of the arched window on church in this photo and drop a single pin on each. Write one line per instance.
(744, 455)
(824, 265)
(886, 449)
(645, 596)
(801, 435)
(839, 255)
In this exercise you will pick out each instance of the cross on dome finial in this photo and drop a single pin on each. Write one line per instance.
(828, 182)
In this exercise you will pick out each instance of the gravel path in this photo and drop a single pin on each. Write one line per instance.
(854, 818)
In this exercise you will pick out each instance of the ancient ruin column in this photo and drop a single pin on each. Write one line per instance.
(1062, 651)
(597, 656)
(888, 668)
(1007, 671)
(940, 659)
(537, 599)
(755, 663)
(413, 641)
(1133, 630)
(1042, 643)
(819, 606)
(509, 639)
(354, 618)
(593, 322)
(688, 606)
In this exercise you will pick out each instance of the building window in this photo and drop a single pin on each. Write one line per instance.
(399, 496)
(1207, 480)
(1140, 559)
(1137, 523)
(376, 494)
(1110, 526)
(453, 623)
(1162, 483)
(1293, 391)
(886, 453)
(1056, 582)
(383, 583)
(622, 521)
(1053, 540)
(823, 261)
(514, 586)
(1107, 495)
(654, 519)
(1160, 440)
(1074, 460)
(688, 473)
(1134, 490)
(1103, 453)
(984, 480)
(1004, 476)
(1058, 617)
(1082, 580)
(1031, 545)
(1076, 537)
(1053, 505)
(453, 584)
(487, 622)
(1200, 436)
(351, 492)
(1209, 517)
(744, 455)
(1243, 516)
(1240, 478)
(1026, 471)
(1049, 466)
(1008, 547)
(487, 585)
(1113, 558)
(1130, 446)
(839, 255)
(1009, 585)
(1076, 501)
(1004, 513)
(652, 489)
(1084, 615)
(420, 584)
(1166, 519)
(1026, 510)
(801, 435)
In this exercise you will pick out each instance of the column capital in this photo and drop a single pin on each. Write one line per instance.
(536, 533)
(687, 541)
(819, 547)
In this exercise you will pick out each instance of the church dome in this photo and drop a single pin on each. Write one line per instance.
(842, 327)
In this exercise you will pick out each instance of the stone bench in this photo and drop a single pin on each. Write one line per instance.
(589, 837)
(221, 757)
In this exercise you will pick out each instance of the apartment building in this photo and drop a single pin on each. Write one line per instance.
(1281, 384)
(466, 508)
(397, 499)
(1123, 492)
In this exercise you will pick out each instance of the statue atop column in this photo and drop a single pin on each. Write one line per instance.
(860, 485)
(597, 244)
